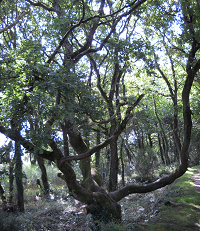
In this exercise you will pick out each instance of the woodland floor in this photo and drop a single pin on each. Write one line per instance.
(173, 208)
(68, 214)
(196, 177)
(179, 209)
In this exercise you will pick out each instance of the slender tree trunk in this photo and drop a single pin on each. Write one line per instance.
(122, 161)
(113, 167)
(11, 172)
(128, 153)
(150, 140)
(65, 140)
(3, 198)
(164, 138)
(18, 177)
(161, 150)
(44, 177)
(11, 180)
(198, 150)
(112, 186)
(140, 141)
(33, 159)
(165, 149)
(177, 141)
(97, 154)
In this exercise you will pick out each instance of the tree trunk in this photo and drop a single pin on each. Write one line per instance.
(150, 140)
(113, 167)
(97, 154)
(11, 170)
(100, 204)
(3, 198)
(65, 140)
(18, 177)
(177, 141)
(11, 180)
(161, 149)
(40, 161)
(102, 207)
(165, 149)
(122, 161)
(164, 138)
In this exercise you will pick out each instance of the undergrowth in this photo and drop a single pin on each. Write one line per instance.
(172, 208)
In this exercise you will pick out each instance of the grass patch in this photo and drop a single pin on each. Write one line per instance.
(182, 212)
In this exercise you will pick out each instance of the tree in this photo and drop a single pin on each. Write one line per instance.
(47, 73)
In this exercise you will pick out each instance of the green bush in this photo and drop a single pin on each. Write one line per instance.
(145, 162)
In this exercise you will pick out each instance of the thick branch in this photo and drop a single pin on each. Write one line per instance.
(166, 80)
(44, 6)
(103, 93)
(25, 143)
(90, 152)
(196, 66)
(92, 31)
(57, 152)
(66, 35)
(119, 194)
(15, 22)
(94, 50)
(110, 139)
(50, 122)
(104, 121)
(115, 78)
(128, 116)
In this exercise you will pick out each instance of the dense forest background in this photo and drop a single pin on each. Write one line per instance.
(105, 91)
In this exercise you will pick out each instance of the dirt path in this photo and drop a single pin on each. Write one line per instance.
(196, 178)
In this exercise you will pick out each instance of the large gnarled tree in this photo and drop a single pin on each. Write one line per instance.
(46, 75)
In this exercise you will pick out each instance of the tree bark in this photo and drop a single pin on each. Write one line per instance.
(18, 177)
(161, 149)
(3, 198)
(97, 154)
(122, 162)
(44, 177)
(113, 167)
(164, 138)
(165, 151)
(11, 180)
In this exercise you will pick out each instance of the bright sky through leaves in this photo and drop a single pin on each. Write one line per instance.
(2, 139)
